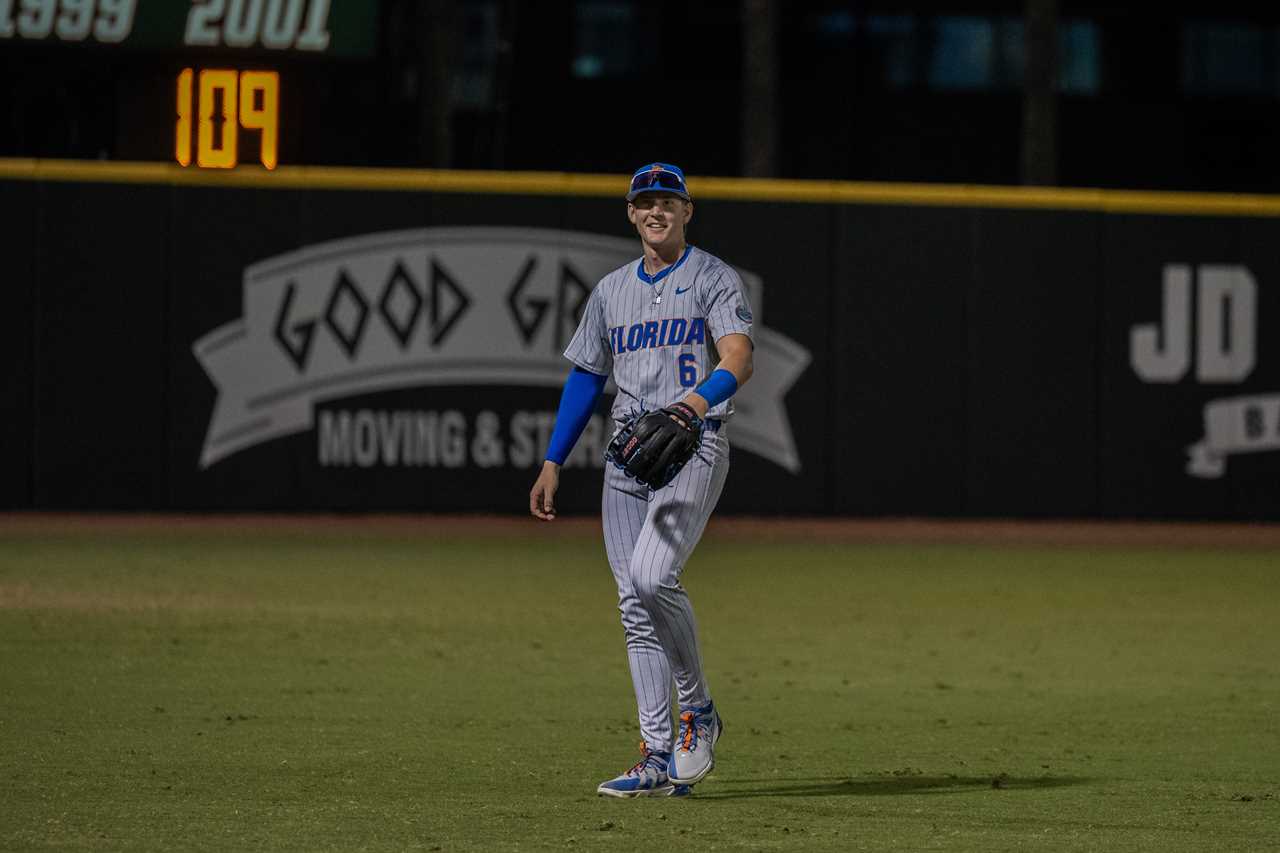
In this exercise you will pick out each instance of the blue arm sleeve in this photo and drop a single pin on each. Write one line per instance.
(717, 387)
(581, 391)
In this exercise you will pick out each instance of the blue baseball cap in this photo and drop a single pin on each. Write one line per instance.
(658, 178)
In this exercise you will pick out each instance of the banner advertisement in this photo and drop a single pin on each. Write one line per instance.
(442, 306)
(1191, 405)
(1240, 425)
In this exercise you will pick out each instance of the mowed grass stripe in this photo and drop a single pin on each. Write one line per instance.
(194, 691)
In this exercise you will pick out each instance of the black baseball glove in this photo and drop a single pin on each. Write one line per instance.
(652, 447)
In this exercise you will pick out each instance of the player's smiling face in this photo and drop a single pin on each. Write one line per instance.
(660, 219)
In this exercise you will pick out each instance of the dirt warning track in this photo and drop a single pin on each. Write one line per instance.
(1118, 534)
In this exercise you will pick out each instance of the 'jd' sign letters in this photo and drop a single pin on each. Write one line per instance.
(1226, 327)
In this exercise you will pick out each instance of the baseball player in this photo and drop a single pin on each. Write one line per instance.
(674, 330)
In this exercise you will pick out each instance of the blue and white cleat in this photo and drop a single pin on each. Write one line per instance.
(694, 757)
(648, 778)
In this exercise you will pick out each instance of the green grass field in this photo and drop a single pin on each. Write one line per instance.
(350, 689)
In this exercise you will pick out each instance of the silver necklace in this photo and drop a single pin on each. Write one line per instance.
(658, 286)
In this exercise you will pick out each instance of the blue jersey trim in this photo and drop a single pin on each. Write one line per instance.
(581, 391)
(663, 273)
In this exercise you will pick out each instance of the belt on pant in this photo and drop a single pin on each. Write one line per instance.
(709, 424)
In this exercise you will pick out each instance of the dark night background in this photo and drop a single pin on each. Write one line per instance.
(1180, 97)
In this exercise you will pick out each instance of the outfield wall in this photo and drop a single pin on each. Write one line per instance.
(345, 339)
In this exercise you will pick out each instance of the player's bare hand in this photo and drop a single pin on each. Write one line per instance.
(542, 496)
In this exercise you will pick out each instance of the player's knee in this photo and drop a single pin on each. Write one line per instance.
(632, 610)
(648, 582)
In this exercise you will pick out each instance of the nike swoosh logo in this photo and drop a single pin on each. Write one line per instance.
(678, 290)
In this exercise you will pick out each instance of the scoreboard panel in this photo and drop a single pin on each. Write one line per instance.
(211, 84)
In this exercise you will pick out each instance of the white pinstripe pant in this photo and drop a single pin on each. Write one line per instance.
(648, 537)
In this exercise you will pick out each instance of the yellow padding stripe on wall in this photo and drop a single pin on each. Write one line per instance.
(614, 186)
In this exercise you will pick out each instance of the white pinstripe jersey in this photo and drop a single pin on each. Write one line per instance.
(657, 335)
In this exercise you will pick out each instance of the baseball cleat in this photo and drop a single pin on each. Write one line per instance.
(694, 757)
(647, 778)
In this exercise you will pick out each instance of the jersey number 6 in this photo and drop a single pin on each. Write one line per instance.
(688, 370)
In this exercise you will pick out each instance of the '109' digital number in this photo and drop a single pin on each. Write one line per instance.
(276, 24)
(107, 21)
(226, 101)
